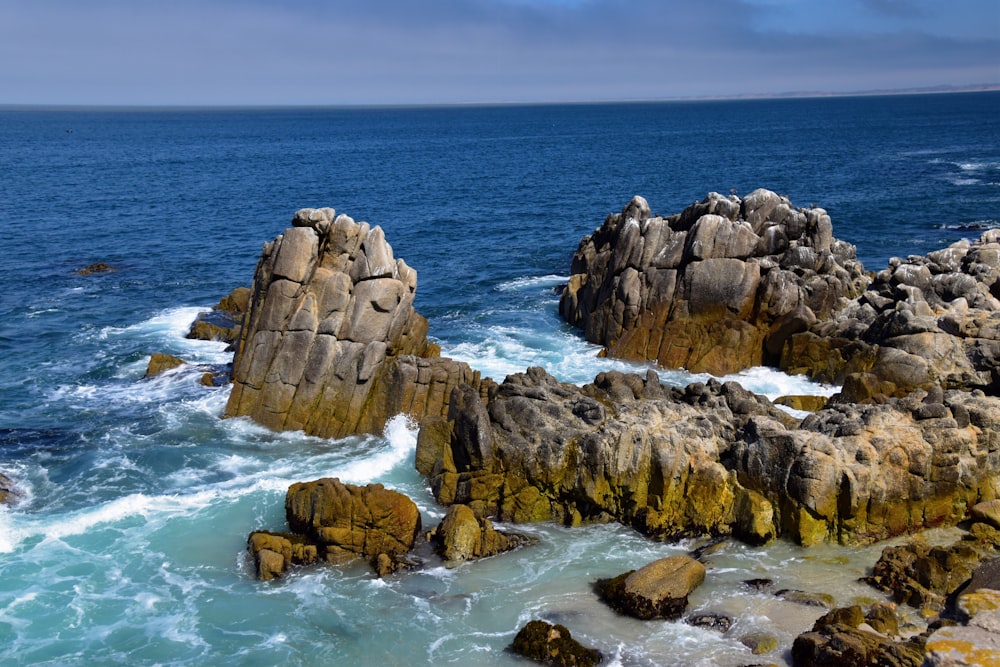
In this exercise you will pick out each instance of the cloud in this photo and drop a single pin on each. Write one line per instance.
(441, 51)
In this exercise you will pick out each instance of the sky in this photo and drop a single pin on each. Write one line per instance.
(332, 52)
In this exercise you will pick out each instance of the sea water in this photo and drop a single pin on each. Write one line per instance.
(126, 545)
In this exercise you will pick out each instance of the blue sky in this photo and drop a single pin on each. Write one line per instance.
(232, 52)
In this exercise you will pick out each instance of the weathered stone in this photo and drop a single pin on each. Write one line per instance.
(345, 521)
(274, 553)
(805, 403)
(553, 645)
(842, 646)
(719, 622)
(462, 536)
(161, 363)
(743, 276)
(330, 342)
(988, 512)
(711, 459)
(223, 321)
(657, 590)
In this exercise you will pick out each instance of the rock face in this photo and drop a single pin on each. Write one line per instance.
(846, 637)
(977, 641)
(923, 576)
(462, 535)
(223, 321)
(334, 522)
(657, 590)
(716, 288)
(924, 322)
(331, 343)
(711, 459)
(553, 645)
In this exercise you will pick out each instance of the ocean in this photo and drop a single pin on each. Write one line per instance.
(126, 544)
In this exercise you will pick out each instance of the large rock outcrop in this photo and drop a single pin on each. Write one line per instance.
(924, 322)
(711, 459)
(716, 288)
(331, 343)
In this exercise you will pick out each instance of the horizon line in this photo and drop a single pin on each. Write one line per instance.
(881, 92)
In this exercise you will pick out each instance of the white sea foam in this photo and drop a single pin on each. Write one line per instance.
(531, 282)
(401, 438)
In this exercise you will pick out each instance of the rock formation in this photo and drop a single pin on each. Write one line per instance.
(223, 321)
(553, 645)
(334, 522)
(161, 363)
(711, 459)
(924, 322)
(657, 590)
(462, 535)
(331, 343)
(716, 288)
(847, 637)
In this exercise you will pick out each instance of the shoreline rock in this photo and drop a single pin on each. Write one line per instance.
(330, 342)
(553, 645)
(709, 459)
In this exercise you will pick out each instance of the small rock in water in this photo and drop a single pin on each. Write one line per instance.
(99, 267)
(553, 645)
(657, 590)
(719, 622)
(161, 363)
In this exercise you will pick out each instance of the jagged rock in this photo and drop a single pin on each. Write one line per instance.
(709, 459)
(657, 590)
(850, 636)
(334, 522)
(331, 343)
(8, 490)
(977, 642)
(274, 553)
(553, 645)
(921, 575)
(161, 363)
(716, 288)
(223, 321)
(462, 535)
(923, 322)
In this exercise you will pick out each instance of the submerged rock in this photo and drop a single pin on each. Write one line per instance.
(657, 590)
(331, 343)
(553, 645)
(98, 267)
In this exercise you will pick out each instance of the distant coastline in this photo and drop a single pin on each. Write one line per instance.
(788, 95)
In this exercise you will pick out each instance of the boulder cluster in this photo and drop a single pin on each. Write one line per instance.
(329, 342)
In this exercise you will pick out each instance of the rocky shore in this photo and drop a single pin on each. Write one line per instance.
(330, 343)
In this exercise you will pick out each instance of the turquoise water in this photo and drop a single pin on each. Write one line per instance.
(127, 543)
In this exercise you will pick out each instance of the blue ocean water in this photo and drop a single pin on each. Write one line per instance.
(126, 544)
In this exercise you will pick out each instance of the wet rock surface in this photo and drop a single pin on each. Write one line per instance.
(553, 645)
(335, 523)
(223, 321)
(463, 536)
(657, 590)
